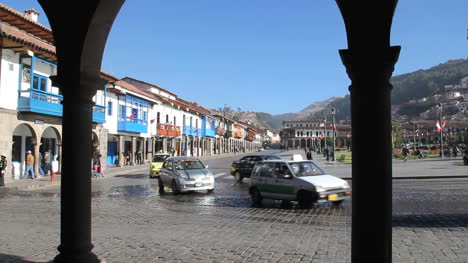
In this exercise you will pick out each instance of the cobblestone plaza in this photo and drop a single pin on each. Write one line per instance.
(132, 222)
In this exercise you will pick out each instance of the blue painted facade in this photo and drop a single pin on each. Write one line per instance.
(208, 126)
(191, 131)
(133, 114)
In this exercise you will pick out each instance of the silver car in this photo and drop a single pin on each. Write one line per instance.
(183, 174)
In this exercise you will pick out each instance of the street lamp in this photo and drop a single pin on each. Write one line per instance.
(439, 107)
(333, 111)
(325, 132)
(413, 121)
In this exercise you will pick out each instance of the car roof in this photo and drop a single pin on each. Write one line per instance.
(176, 158)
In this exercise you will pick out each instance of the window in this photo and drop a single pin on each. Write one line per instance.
(183, 120)
(109, 108)
(39, 82)
(158, 118)
(122, 111)
(174, 123)
(167, 118)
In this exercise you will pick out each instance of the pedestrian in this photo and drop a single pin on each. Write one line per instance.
(309, 155)
(127, 158)
(29, 165)
(3, 167)
(455, 151)
(172, 151)
(41, 164)
(305, 149)
(47, 162)
(97, 167)
(138, 157)
(405, 152)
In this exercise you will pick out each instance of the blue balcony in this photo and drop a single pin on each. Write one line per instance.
(51, 104)
(134, 125)
(208, 133)
(191, 131)
(99, 114)
(40, 102)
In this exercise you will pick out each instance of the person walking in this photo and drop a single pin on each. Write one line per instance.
(405, 152)
(309, 155)
(29, 165)
(47, 162)
(41, 164)
(3, 167)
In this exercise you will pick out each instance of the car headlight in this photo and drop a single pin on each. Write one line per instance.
(346, 185)
(183, 175)
(319, 188)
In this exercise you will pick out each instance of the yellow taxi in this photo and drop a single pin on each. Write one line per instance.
(156, 164)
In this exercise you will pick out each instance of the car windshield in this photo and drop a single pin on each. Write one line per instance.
(306, 169)
(188, 165)
(160, 158)
(272, 158)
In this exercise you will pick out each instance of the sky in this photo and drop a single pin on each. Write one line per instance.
(271, 56)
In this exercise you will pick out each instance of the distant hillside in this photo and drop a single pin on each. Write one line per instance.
(409, 86)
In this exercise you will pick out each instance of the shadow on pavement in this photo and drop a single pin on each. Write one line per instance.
(17, 259)
(431, 220)
(133, 176)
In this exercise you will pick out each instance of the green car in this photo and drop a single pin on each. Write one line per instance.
(157, 163)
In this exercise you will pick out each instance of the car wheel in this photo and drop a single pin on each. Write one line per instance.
(238, 177)
(338, 202)
(174, 187)
(285, 204)
(305, 200)
(256, 196)
(210, 191)
(161, 186)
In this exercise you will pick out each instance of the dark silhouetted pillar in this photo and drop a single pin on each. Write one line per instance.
(80, 30)
(369, 62)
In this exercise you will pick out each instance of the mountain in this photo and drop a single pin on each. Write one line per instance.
(406, 87)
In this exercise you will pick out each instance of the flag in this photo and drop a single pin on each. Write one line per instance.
(438, 128)
(334, 127)
(132, 116)
(152, 121)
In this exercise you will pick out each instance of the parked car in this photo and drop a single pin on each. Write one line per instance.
(183, 174)
(242, 169)
(156, 164)
(302, 181)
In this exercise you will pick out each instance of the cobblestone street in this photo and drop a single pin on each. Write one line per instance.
(132, 222)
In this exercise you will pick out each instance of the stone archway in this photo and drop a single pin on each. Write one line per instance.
(51, 141)
(24, 139)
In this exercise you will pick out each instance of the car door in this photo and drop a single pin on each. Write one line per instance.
(250, 165)
(283, 185)
(165, 172)
(243, 164)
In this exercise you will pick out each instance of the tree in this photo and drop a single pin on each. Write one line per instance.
(397, 134)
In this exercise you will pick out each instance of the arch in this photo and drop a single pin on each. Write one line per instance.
(24, 138)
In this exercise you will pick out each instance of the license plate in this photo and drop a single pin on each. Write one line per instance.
(198, 184)
(332, 197)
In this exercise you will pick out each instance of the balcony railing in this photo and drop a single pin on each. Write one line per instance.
(168, 130)
(237, 134)
(208, 132)
(40, 102)
(132, 125)
(191, 131)
(99, 114)
(220, 131)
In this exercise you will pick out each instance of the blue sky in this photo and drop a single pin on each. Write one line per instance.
(270, 56)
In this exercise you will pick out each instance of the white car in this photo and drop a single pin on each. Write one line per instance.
(183, 174)
(296, 180)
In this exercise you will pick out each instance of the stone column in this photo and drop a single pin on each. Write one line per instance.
(59, 157)
(120, 149)
(144, 150)
(369, 62)
(36, 159)
(133, 158)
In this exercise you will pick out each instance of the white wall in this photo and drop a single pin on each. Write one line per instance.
(111, 121)
(9, 80)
